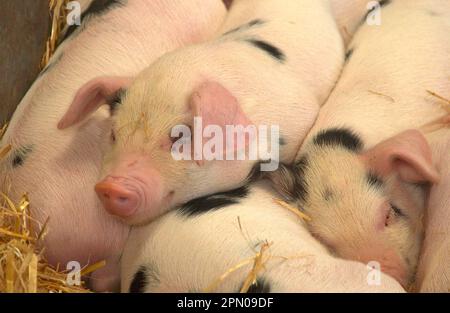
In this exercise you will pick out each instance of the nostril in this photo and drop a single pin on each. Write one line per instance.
(117, 199)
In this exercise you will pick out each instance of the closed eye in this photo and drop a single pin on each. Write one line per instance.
(113, 136)
(397, 211)
(394, 213)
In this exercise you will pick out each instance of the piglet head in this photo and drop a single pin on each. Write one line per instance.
(152, 164)
(364, 205)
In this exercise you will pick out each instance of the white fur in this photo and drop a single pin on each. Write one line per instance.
(393, 59)
(382, 90)
(60, 173)
(269, 93)
(191, 253)
(434, 270)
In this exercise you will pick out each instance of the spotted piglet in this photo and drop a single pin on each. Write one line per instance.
(273, 64)
(59, 169)
(364, 171)
(216, 243)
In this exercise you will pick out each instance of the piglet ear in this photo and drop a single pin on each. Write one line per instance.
(407, 154)
(217, 107)
(90, 97)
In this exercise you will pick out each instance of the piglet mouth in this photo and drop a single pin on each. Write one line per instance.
(119, 196)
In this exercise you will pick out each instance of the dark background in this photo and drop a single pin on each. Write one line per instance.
(24, 27)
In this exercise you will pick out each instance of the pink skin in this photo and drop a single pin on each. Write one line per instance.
(407, 153)
(61, 171)
(131, 186)
(390, 261)
(410, 156)
(365, 224)
(433, 271)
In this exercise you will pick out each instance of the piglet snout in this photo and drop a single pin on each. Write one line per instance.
(390, 262)
(116, 198)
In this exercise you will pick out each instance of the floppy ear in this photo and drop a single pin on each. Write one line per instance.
(218, 107)
(90, 97)
(407, 154)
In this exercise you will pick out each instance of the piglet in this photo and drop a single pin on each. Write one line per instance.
(364, 170)
(433, 273)
(216, 243)
(59, 169)
(273, 64)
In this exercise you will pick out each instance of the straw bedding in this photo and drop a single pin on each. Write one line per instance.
(23, 267)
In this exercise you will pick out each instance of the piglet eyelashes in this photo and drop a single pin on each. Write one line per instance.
(113, 136)
(393, 213)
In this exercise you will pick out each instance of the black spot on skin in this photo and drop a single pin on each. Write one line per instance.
(382, 3)
(20, 155)
(339, 137)
(348, 55)
(213, 202)
(116, 101)
(269, 49)
(139, 281)
(249, 25)
(282, 141)
(97, 7)
(260, 286)
(146, 276)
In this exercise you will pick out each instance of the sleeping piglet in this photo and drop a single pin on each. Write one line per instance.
(433, 273)
(58, 169)
(216, 243)
(273, 64)
(363, 173)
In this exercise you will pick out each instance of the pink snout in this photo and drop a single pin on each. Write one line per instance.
(116, 198)
(390, 263)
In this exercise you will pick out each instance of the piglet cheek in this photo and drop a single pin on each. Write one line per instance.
(152, 191)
